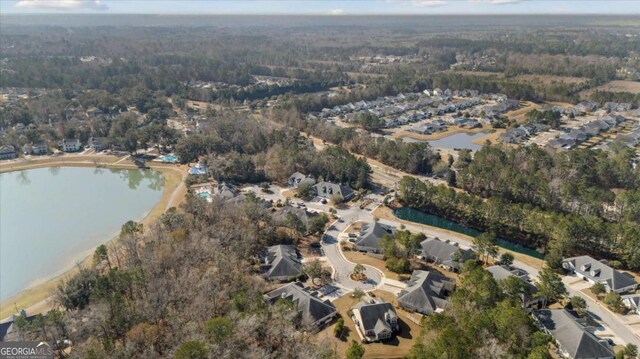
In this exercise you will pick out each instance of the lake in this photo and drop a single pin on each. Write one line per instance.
(51, 217)
(459, 140)
(414, 215)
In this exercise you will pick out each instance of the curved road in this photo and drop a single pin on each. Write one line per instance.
(343, 268)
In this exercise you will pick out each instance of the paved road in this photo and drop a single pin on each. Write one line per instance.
(617, 326)
(343, 268)
(620, 329)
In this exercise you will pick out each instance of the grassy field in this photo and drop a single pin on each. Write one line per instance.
(362, 258)
(398, 347)
(614, 86)
(518, 114)
(36, 299)
(549, 79)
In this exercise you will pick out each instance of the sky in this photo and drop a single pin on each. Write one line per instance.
(322, 7)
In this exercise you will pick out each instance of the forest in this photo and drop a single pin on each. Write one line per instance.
(183, 288)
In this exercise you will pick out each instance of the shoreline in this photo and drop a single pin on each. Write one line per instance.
(35, 297)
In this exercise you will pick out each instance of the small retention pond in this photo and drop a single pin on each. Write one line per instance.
(456, 141)
(414, 215)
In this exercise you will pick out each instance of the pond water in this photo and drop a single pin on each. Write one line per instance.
(51, 217)
(459, 140)
(414, 215)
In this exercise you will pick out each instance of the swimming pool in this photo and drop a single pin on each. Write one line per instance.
(204, 195)
(169, 159)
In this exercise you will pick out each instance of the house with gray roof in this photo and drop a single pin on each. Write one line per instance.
(298, 178)
(632, 301)
(573, 339)
(595, 271)
(529, 299)
(280, 215)
(375, 320)
(426, 292)
(370, 235)
(7, 152)
(225, 191)
(444, 253)
(327, 189)
(313, 311)
(281, 263)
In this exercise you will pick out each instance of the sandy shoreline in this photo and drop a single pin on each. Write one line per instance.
(35, 297)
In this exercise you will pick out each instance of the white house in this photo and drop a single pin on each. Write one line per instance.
(70, 145)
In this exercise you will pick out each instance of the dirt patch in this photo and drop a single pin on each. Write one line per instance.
(518, 114)
(398, 347)
(491, 137)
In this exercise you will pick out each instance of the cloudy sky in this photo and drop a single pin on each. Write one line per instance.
(327, 7)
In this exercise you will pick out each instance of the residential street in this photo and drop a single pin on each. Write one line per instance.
(614, 327)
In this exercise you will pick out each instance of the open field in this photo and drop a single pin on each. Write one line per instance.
(614, 86)
(398, 347)
(519, 114)
(549, 79)
(36, 298)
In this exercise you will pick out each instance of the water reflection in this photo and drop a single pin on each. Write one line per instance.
(134, 178)
(23, 178)
(90, 206)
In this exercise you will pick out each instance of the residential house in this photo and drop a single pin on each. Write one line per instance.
(35, 149)
(281, 263)
(198, 169)
(529, 299)
(586, 106)
(632, 301)
(298, 178)
(595, 271)
(328, 189)
(426, 292)
(561, 143)
(225, 191)
(444, 253)
(281, 214)
(370, 236)
(98, 143)
(573, 339)
(375, 320)
(7, 327)
(7, 152)
(70, 145)
(313, 311)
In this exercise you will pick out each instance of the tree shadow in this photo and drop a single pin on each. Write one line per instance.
(405, 330)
